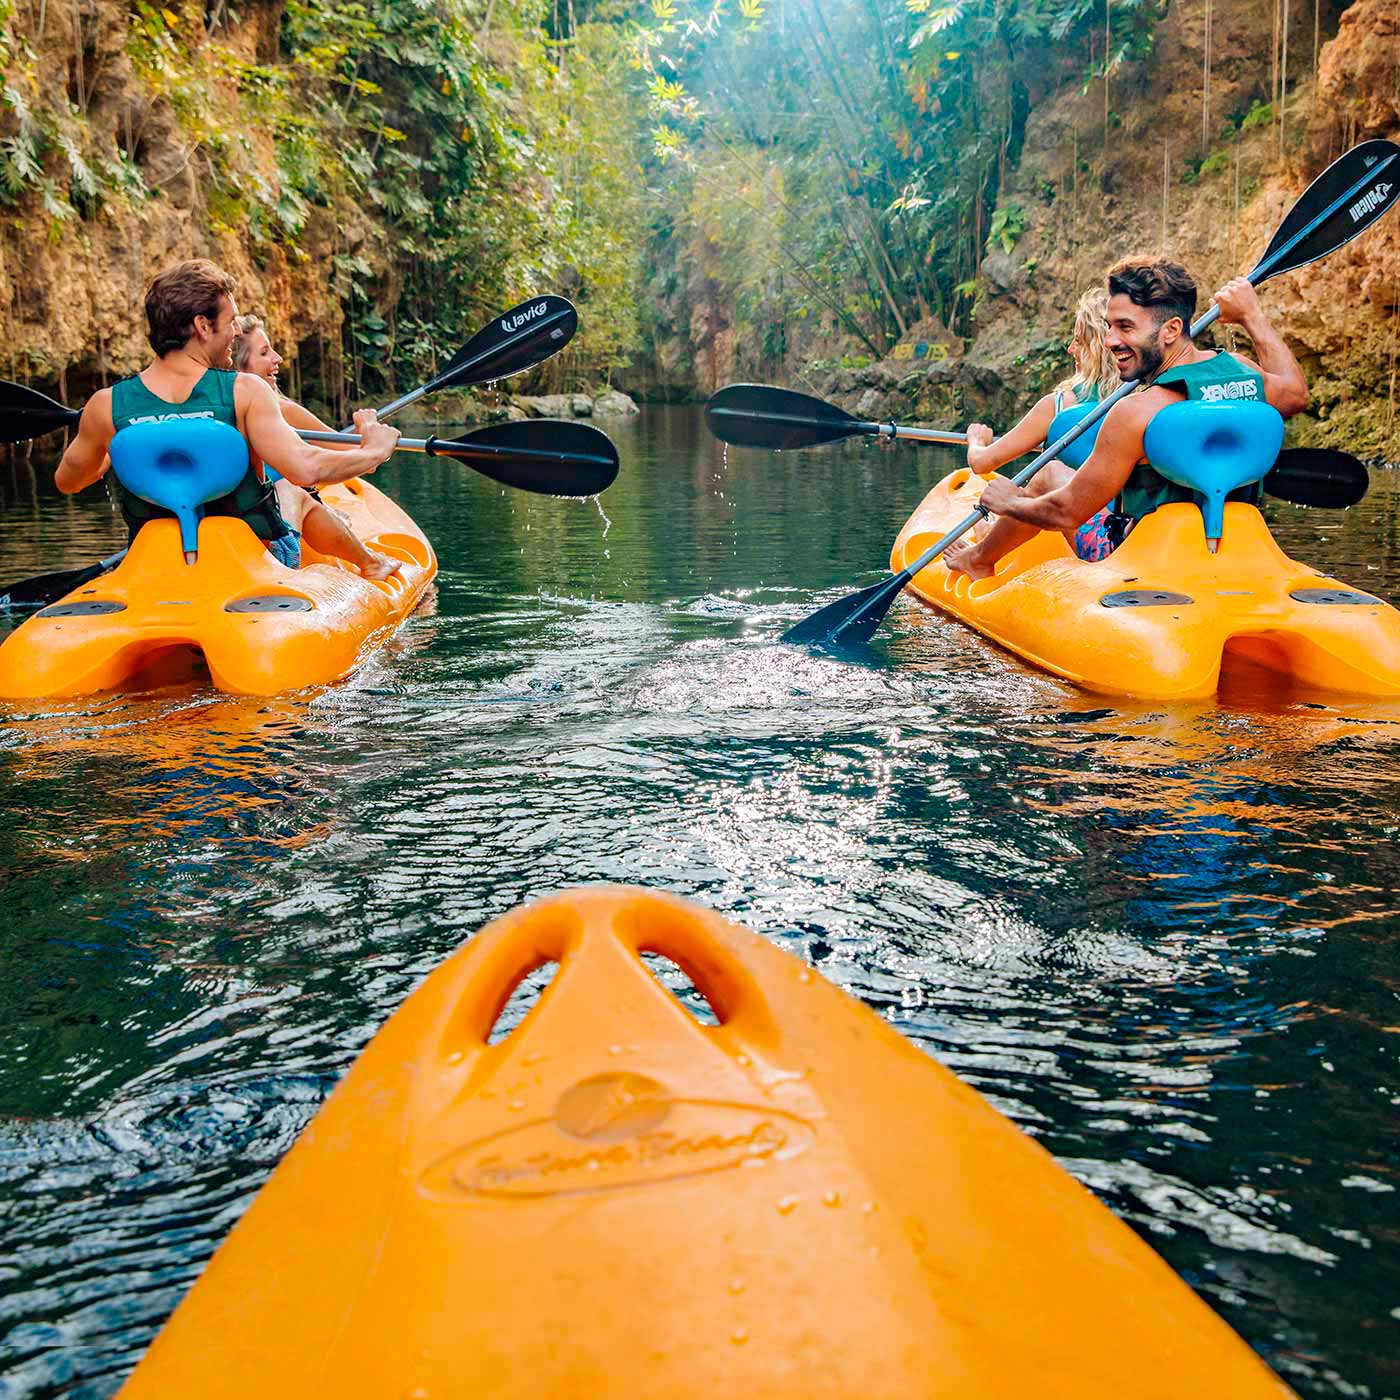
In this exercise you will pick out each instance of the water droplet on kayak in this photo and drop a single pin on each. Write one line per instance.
(869, 1208)
(741, 1059)
(455, 1058)
(804, 976)
(739, 1336)
(736, 1285)
(517, 1104)
(832, 1198)
(788, 1204)
(614, 1049)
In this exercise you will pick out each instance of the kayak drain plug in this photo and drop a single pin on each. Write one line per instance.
(1144, 598)
(270, 603)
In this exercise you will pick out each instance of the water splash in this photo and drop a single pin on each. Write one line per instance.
(607, 524)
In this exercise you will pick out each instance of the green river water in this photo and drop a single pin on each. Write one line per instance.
(1161, 937)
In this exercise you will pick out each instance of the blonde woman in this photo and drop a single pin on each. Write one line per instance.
(1095, 377)
(323, 529)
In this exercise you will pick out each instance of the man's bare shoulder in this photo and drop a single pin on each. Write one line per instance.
(249, 389)
(1137, 410)
(97, 411)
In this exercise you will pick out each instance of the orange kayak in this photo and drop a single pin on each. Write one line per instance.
(614, 1200)
(235, 617)
(1162, 615)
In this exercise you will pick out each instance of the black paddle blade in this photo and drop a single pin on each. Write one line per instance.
(551, 457)
(851, 620)
(39, 592)
(758, 415)
(26, 413)
(1318, 476)
(1342, 203)
(518, 339)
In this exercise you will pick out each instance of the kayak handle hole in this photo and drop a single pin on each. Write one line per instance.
(520, 1000)
(680, 984)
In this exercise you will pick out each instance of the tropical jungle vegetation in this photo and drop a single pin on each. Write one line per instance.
(441, 158)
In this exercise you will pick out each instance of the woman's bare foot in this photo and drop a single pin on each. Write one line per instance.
(961, 558)
(378, 567)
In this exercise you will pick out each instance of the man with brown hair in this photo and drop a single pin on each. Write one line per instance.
(1151, 303)
(191, 322)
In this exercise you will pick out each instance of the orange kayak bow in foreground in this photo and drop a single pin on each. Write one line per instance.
(614, 1200)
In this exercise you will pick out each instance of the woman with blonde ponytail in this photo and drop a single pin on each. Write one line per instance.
(1095, 377)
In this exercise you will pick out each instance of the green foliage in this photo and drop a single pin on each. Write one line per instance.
(600, 214)
(1259, 114)
(440, 176)
(893, 123)
(1008, 224)
(1213, 164)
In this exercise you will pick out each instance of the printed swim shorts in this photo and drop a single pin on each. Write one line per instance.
(1092, 540)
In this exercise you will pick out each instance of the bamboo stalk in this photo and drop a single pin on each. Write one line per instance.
(1074, 175)
(1235, 222)
(1273, 64)
(1166, 177)
(1390, 405)
(1205, 81)
(1317, 43)
(1107, 60)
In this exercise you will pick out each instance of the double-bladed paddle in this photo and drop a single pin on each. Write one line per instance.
(1343, 202)
(45, 588)
(549, 456)
(1318, 476)
(519, 339)
(25, 413)
(759, 415)
(516, 340)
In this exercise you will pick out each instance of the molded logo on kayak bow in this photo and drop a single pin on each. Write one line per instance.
(612, 1131)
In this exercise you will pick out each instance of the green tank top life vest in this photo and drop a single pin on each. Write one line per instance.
(252, 501)
(1220, 379)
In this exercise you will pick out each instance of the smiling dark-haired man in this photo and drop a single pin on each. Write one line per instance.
(1151, 303)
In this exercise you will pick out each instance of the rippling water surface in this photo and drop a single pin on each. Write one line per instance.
(1161, 937)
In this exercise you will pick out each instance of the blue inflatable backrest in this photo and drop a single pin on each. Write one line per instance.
(180, 464)
(1077, 453)
(1213, 449)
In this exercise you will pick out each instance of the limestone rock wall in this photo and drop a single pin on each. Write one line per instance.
(71, 291)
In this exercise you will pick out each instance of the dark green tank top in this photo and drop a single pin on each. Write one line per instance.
(1220, 379)
(252, 500)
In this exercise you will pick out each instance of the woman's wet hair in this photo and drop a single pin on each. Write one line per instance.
(1164, 288)
(242, 346)
(1095, 369)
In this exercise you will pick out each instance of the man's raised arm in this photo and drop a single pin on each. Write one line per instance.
(1285, 385)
